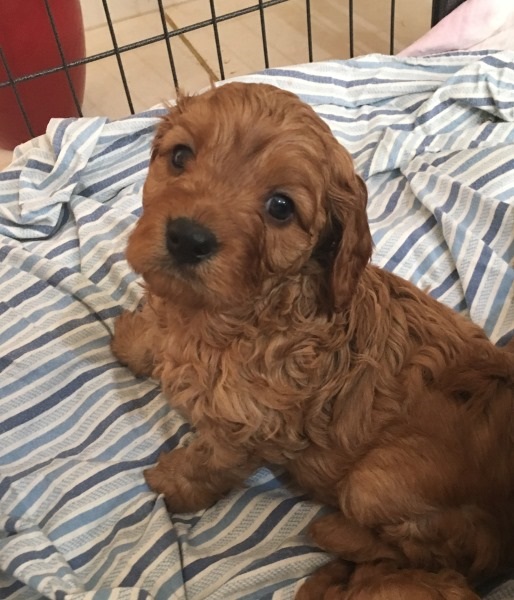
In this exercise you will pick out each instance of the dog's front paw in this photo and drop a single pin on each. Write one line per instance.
(129, 343)
(171, 477)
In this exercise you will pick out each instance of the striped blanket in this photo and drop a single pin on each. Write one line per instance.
(434, 139)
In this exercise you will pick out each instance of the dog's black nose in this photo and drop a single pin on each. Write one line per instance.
(189, 242)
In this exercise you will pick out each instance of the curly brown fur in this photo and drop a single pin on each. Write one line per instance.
(287, 347)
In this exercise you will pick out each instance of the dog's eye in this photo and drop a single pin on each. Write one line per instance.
(280, 207)
(180, 155)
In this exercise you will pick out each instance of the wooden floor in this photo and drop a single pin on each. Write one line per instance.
(148, 70)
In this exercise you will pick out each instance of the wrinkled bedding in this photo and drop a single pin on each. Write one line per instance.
(434, 140)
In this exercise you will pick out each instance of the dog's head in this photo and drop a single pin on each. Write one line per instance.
(247, 183)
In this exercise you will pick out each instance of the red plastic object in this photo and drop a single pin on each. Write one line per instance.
(28, 45)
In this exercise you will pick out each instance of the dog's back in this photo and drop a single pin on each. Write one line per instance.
(433, 470)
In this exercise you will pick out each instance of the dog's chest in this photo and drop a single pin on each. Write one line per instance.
(252, 387)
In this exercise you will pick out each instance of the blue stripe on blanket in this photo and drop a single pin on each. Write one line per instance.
(434, 139)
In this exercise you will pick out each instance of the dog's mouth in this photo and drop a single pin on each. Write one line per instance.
(182, 282)
(169, 267)
(190, 274)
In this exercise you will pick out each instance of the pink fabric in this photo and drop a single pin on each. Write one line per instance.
(474, 25)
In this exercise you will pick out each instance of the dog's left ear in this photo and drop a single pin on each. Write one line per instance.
(347, 198)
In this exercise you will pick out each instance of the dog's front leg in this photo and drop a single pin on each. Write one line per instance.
(133, 343)
(194, 477)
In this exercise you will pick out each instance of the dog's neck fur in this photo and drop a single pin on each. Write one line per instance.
(286, 361)
(282, 300)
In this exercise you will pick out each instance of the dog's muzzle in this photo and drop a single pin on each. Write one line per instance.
(188, 242)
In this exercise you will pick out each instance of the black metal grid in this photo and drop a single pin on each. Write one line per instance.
(440, 8)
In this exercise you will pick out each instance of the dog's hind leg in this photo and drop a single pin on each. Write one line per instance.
(384, 581)
(350, 541)
(386, 570)
(463, 538)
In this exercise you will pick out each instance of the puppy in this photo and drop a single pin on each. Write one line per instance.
(273, 334)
